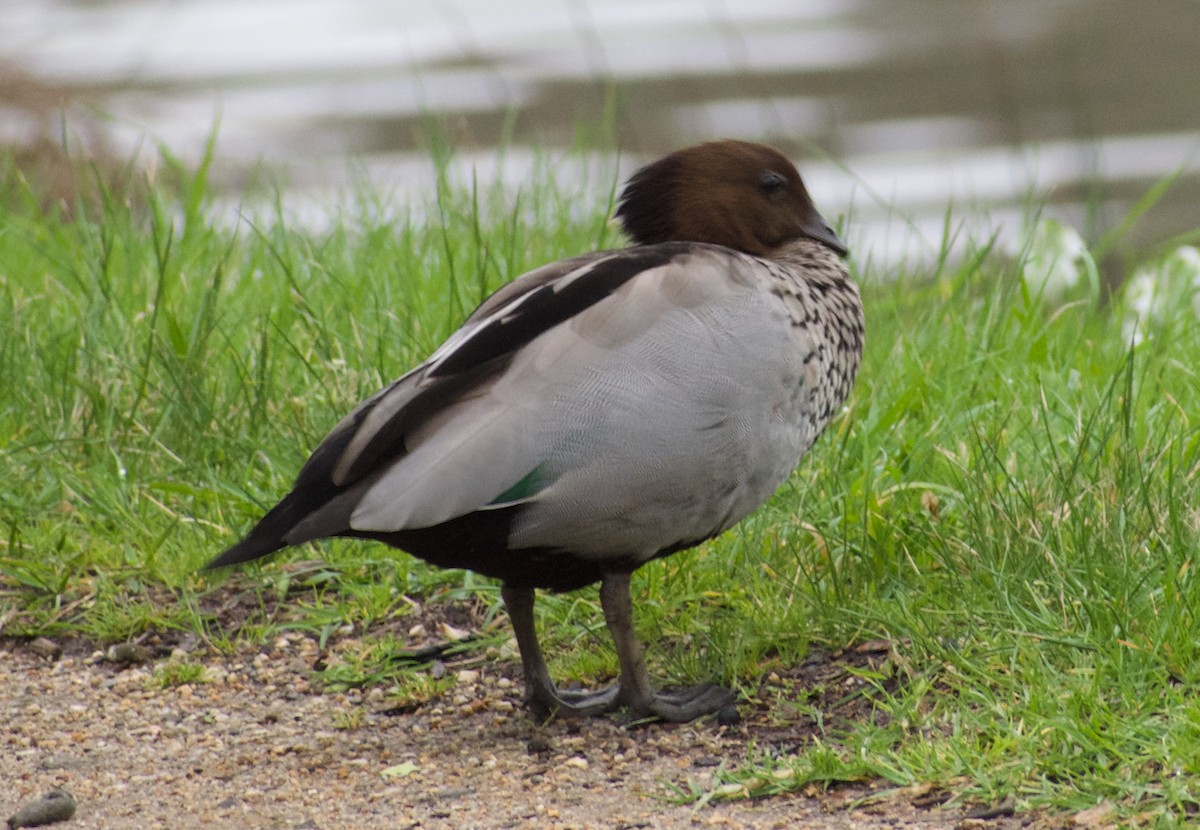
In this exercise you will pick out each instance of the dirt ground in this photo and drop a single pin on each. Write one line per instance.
(259, 744)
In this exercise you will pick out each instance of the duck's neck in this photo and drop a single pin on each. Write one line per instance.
(818, 262)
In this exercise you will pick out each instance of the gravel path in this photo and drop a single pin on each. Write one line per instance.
(258, 746)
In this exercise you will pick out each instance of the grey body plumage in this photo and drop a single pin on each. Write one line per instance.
(603, 411)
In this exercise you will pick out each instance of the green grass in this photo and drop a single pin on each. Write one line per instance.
(171, 673)
(1013, 498)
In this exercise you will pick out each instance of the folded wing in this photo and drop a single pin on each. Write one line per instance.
(625, 403)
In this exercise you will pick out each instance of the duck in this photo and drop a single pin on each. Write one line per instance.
(604, 411)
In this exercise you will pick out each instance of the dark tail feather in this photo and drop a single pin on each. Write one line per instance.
(267, 536)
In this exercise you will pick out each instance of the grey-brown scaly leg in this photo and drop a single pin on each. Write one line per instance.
(634, 689)
(543, 699)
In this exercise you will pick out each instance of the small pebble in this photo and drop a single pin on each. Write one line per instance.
(538, 744)
(56, 805)
(454, 635)
(729, 716)
(45, 647)
(128, 654)
(453, 792)
(61, 762)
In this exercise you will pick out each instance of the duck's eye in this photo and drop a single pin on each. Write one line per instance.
(771, 182)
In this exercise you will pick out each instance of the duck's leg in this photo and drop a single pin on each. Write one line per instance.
(543, 699)
(635, 690)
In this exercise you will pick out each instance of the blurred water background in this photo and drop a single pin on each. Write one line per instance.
(897, 111)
